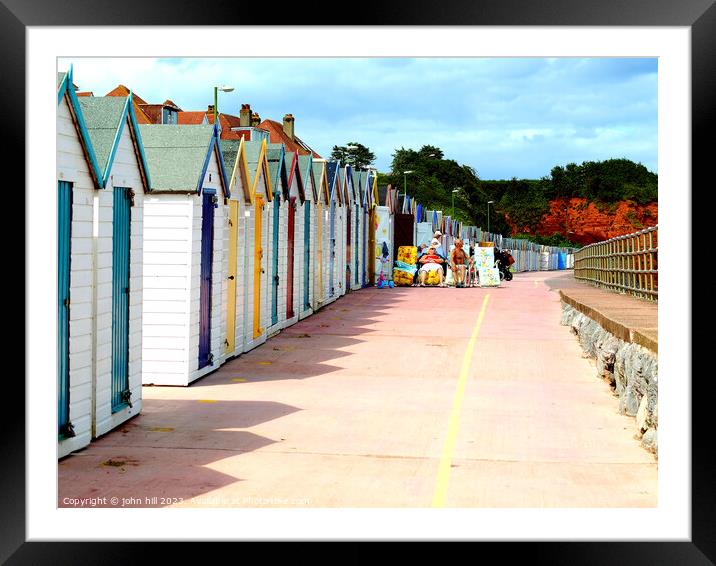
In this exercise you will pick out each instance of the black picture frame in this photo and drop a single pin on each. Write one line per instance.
(699, 15)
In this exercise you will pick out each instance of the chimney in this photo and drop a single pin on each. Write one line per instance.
(288, 125)
(245, 115)
(210, 113)
(255, 119)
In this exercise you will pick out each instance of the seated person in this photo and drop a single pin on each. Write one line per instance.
(459, 262)
(430, 261)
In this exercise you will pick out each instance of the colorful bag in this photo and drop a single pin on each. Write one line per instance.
(485, 257)
(408, 254)
(405, 267)
(433, 278)
(402, 278)
(489, 276)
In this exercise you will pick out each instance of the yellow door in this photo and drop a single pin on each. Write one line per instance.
(258, 270)
(371, 246)
(319, 251)
(231, 297)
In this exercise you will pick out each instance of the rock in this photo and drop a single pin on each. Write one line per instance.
(649, 440)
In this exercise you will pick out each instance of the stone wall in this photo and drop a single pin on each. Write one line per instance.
(631, 370)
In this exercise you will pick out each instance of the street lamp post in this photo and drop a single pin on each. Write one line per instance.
(452, 215)
(489, 202)
(224, 88)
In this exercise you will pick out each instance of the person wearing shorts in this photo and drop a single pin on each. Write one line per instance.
(430, 262)
(459, 262)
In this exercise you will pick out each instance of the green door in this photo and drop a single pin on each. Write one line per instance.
(64, 241)
(120, 298)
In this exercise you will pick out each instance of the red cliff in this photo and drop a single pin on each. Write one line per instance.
(589, 222)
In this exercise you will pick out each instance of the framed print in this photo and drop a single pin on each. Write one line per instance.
(273, 186)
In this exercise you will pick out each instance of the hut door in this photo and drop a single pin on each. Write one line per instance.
(355, 253)
(231, 296)
(207, 256)
(306, 254)
(332, 250)
(120, 298)
(274, 260)
(319, 252)
(365, 248)
(289, 261)
(258, 258)
(348, 247)
(64, 242)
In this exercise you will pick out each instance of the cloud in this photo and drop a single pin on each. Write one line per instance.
(503, 116)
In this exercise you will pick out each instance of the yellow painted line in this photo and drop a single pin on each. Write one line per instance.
(441, 483)
(238, 379)
(264, 363)
(206, 401)
(161, 429)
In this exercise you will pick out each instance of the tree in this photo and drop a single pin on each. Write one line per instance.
(353, 153)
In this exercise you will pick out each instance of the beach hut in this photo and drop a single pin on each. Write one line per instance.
(185, 259)
(237, 168)
(334, 230)
(256, 302)
(78, 180)
(323, 256)
(118, 259)
(358, 229)
(294, 238)
(308, 233)
(346, 178)
(373, 252)
(278, 174)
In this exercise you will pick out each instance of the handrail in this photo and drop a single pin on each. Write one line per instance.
(628, 264)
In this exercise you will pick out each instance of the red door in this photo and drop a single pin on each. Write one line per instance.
(289, 275)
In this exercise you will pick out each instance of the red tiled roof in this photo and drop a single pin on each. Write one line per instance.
(193, 117)
(121, 90)
(85, 93)
(278, 135)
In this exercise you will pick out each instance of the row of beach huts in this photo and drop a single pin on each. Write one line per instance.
(185, 241)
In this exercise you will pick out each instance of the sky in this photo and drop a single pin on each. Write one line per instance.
(505, 117)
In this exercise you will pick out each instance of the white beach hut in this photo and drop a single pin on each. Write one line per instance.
(118, 259)
(185, 259)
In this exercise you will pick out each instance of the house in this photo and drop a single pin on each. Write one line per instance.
(256, 289)
(185, 260)
(284, 132)
(164, 113)
(118, 259)
(240, 202)
(79, 179)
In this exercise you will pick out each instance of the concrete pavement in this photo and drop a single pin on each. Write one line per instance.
(377, 401)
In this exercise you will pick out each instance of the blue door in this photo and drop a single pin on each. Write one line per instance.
(120, 298)
(274, 257)
(332, 252)
(306, 254)
(207, 256)
(64, 239)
